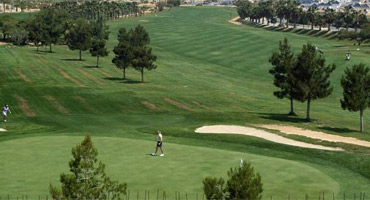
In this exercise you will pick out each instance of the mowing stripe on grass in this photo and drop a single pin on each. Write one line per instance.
(91, 77)
(24, 77)
(56, 105)
(69, 78)
(177, 104)
(205, 107)
(85, 104)
(24, 106)
(149, 105)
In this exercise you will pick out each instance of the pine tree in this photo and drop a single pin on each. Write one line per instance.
(356, 90)
(312, 76)
(87, 179)
(283, 62)
(123, 51)
(79, 36)
(100, 33)
(141, 52)
(98, 49)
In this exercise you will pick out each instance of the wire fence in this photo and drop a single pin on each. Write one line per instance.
(163, 195)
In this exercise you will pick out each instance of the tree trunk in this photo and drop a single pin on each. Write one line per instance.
(291, 107)
(124, 73)
(37, 46)
(97, 61)
(50, 50)
(4, 6)
(295, 23)
(356, 29)
(329, 27)
(263, 20)
(281, 21)
(142, 75)
(311, 25)
(362, 120)
(80, 54)
(320, 28)
(308, 110)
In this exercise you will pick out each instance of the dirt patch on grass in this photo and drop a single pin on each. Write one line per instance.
(236, 21)
(69, 78)
(291, 130)
(25, 106)
(242, 130)
(85, 104)
(57, 105)
(91, 77)
(177, 104)
(23, 77)
(205, 107)
(149, 105)
(3, 43)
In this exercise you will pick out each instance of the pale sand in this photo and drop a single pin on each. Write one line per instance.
(234, 21)
(2, 130)
(242, 130)
(291, 130)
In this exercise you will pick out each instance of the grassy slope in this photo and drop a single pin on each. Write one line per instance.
(201, 58)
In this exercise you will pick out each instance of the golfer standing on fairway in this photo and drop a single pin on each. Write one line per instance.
(159, 144)
(5, 112)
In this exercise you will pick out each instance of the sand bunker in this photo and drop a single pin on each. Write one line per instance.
(2, 130)
(235, 21)
(291, 130)
(241, 130)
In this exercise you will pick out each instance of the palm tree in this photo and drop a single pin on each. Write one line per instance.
(311, 15)
(329, 17)
(281, 11)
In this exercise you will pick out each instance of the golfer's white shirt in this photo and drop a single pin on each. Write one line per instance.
(5, 110)
(159, 138)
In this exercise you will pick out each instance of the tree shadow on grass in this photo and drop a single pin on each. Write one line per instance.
(71, 59)
(125, 81)
(90, 66)
(337, 130)
(283, 118)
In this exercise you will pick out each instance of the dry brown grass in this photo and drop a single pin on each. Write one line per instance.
(91, 77)
(177, 104)
(69, 78)
(24, 106)
(23, 77)
(149, 105)
(205, 107)
(57, 105)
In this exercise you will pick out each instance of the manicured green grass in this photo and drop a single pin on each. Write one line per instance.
(128, 160)
(217, 69)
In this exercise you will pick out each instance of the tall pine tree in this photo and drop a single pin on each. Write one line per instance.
(123, 51)
(312, 76)
(356, 90)
(283, 62)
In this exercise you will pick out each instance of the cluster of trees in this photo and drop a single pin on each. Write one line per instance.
(305, 78)
(93, 10)
(243, 183)
(133, 51)
(87, 178)
(292, 12)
